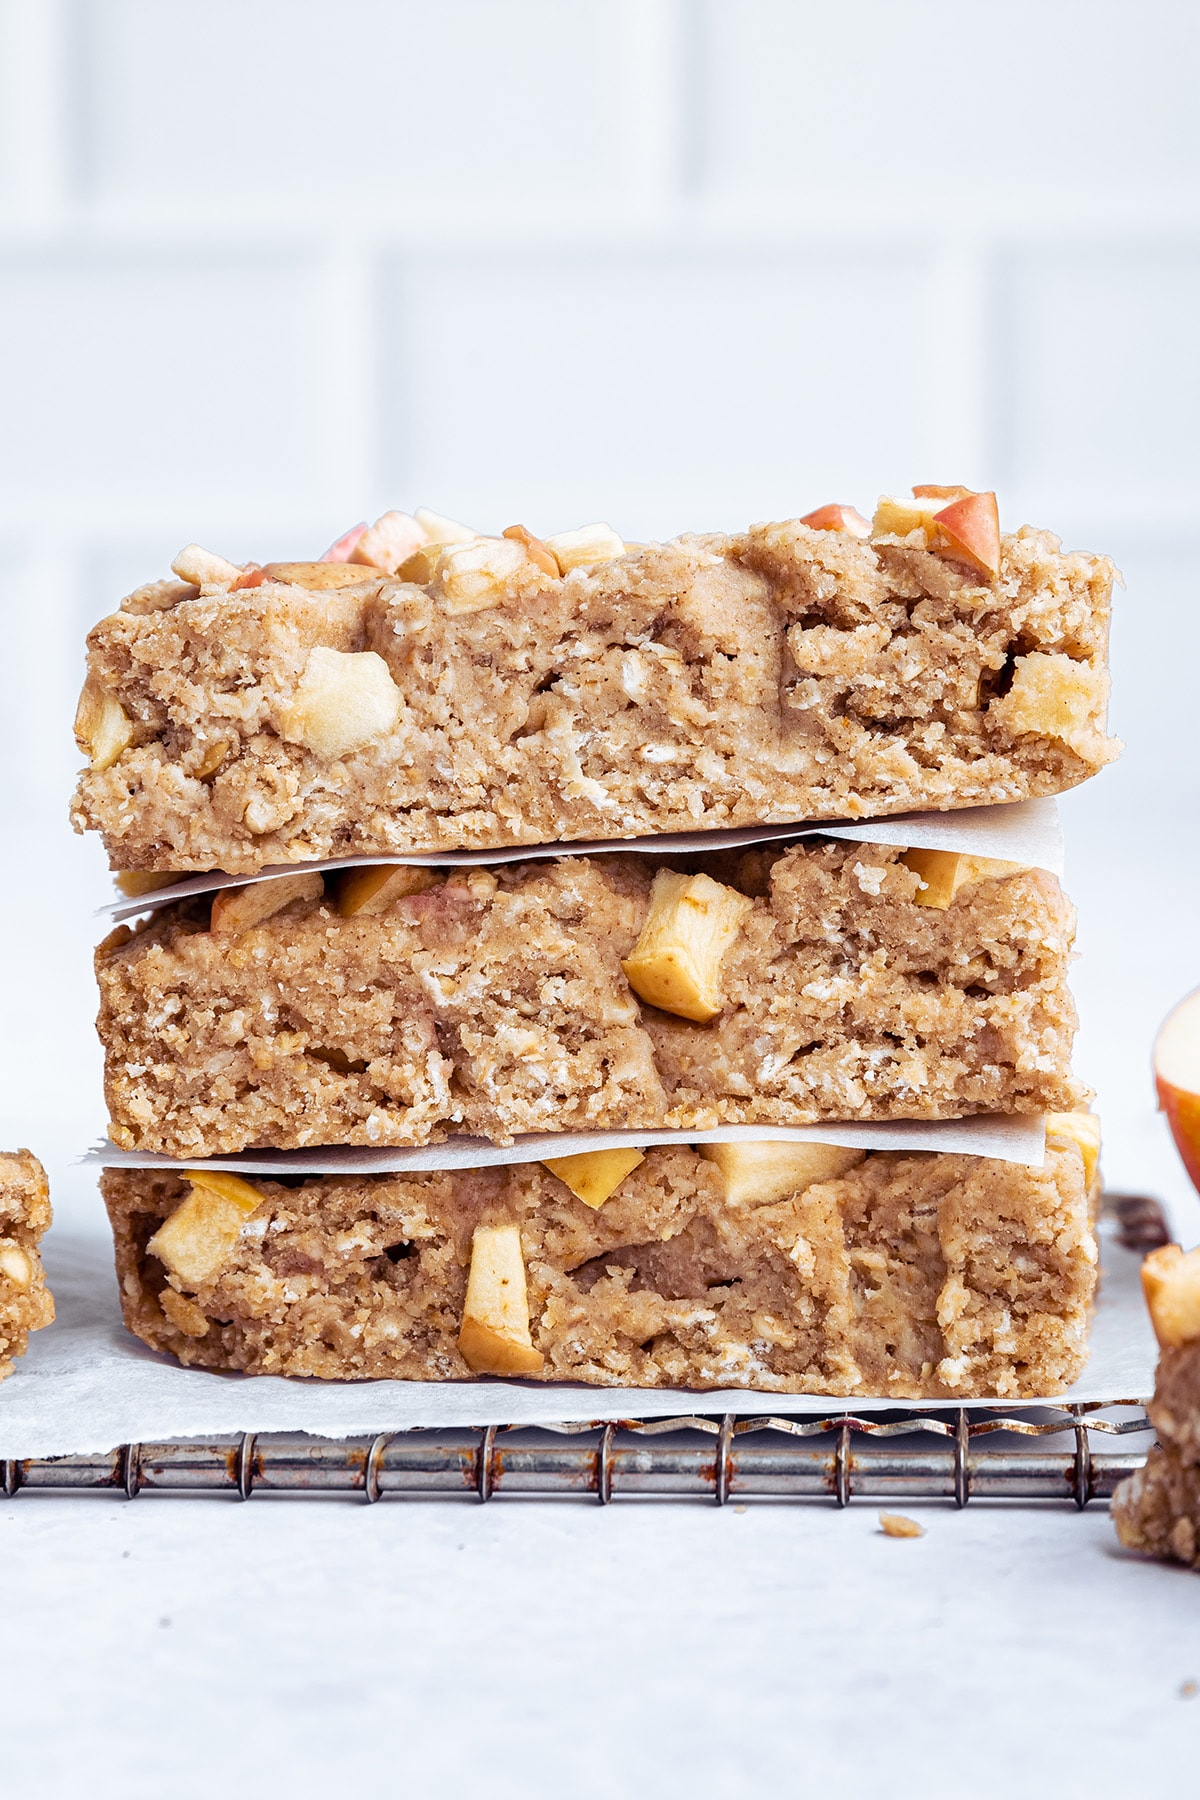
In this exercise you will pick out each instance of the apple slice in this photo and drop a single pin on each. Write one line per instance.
(838, 518)
(1177, 1078)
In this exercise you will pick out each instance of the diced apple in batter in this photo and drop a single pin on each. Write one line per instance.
(103, 729)
(346, 699)
(943, 872)
(342, 548)
(494, 1336)
(1171, 1284)
(374, 889)
(955, 521)
(838, 518)
(676, 962)
(204, 568)
(760, 1174)
(595, 1175)
(390, 541)
(580, 549)
(1083, 1129)
(16, 1264)
(440, 530)
(200, 1236)
(1054, 696)
(241, 908)
(476, 575)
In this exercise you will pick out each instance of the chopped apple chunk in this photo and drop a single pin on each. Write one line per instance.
(760, 1174)
(241, 908)
(1054, 696)
(103, 729)
(342, 548)
(346, 699)
(373, 890)
(135, 882)
(389, 542)
(200, 1236)
(16, 1264)
(955, 522)
(204, 568)
(494, 1336)
(476, 575)
(676, 962)
(440, 530)
(1083, 1129)
(943, 872)
(1171, 1284)
(580, 549)
(838, 518)
(595, 1175)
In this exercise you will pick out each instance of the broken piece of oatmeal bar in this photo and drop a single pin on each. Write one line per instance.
(795, 1268)
(25, 1300)
(383, 1005)
(466, 691)
(1158, 1509)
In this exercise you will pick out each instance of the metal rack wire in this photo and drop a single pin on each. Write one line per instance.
(967, 1454)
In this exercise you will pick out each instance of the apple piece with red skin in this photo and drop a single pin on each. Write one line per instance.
(969, 531)
(345, 546)
(1177, 1078)
(838, 518)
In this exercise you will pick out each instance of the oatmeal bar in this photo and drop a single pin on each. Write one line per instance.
(468, 697)
(819, 983)
(1158, 1509)
(794, 1268)
(25, 1300)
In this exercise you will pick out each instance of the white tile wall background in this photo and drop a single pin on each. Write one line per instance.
(269, 266)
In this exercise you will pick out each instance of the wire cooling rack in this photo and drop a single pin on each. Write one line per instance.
(1043, 1454)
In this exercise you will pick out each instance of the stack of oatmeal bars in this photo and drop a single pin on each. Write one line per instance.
(500, 832)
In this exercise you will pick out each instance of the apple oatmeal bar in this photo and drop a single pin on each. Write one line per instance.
(25, 1300)
(1158, 1509)
(391, 1005)
(794, 1268)
(449, 690)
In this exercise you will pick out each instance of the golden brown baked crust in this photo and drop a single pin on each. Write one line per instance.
(495, 1003)
(780, 674)
(914, 1275)
(25, 1301)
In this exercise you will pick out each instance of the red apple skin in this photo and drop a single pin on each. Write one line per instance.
(343, 550)
(931, 492)
(969, 530)
(1183, 1116)
(838, 518)
(251, 576)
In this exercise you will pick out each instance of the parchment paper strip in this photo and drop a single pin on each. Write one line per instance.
(1009, 1138)
(1026, 831)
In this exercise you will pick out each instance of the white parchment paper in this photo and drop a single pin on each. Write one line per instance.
(1025, 831)
(1008, 1138)
(86, 1385)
